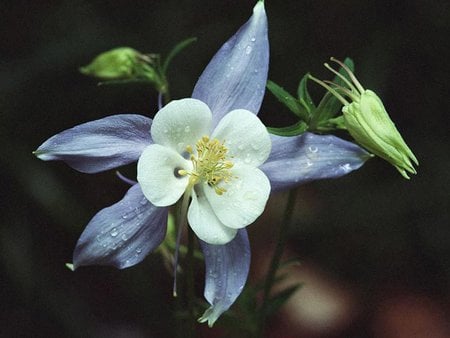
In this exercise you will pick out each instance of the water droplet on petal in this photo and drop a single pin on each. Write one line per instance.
(253, 39)
(248, 50)
(250, 195)
(138, 250)
(346, 167)
(256, 146)
(124, 237)
(313, 149)
(114, 232)
(125, 216)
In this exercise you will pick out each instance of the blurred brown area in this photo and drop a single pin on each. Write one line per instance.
(374, 248)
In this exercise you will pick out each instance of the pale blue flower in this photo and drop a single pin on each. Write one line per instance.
(124, 233)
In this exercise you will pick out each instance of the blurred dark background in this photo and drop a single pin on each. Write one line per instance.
(375, 247)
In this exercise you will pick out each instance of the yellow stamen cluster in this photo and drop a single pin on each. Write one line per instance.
(210, 164)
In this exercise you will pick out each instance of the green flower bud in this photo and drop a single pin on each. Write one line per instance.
(368, 122)
(118, 63)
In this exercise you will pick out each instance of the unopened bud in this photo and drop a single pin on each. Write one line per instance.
(118, 63)
(368, 122)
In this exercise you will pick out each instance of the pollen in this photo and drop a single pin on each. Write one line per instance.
(211, 164)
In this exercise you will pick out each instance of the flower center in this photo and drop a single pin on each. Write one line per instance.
(210, 164)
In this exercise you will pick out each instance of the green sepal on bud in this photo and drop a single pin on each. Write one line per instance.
(124, 64)
(368, 122)
(117, 63)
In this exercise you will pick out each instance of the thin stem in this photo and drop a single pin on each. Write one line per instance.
(160, 100)
(182, 221)
(190, 292)
(276, 259)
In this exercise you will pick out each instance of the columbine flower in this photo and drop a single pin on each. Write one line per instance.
(368, 122)
(219, 172)
(208, 163)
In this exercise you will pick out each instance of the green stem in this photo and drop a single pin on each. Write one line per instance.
(190, 292)
(275, 262)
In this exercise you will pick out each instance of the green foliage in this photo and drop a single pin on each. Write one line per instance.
(321, 118)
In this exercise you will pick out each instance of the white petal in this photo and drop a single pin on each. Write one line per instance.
(245, 137)
(156, 174)
(205, 223)
(181, 123)
(245, 198)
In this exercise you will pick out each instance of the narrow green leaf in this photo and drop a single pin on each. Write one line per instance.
(175, 51)
(304, 96)
(280, 298)
(296, 129)
(332, 124)
(288, 100)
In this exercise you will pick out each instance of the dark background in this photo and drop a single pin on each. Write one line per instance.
(383, 239)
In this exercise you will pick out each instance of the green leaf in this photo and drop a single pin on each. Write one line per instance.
(280, 298)
(296, 129)
(175, 51)
(332, 124)
(288, 100)
(303, 95)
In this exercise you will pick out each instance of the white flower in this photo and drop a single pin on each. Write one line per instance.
(217, 169)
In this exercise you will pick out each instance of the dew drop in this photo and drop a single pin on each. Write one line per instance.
(124, 237)
(125, 216)
(138, 250)
(313, 149)
(252, 39)
(256, 146)
(114, 232)
(248, 50)
(346, 167)
(250, 195)
(143, 201)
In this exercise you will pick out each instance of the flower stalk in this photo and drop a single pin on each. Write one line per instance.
(275, 262)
